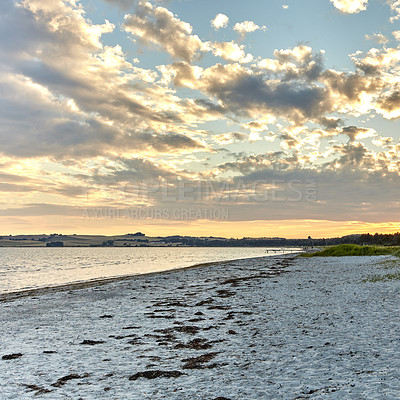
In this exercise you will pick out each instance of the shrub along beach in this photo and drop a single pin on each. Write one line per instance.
(354, 250)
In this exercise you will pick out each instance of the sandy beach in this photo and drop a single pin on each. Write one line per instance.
(277, 327)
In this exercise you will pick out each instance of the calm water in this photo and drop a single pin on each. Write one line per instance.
(28, 268)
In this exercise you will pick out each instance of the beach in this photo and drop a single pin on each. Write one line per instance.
(278, 327)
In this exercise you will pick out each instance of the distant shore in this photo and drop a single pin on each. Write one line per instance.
(261, 328)
(140, 239)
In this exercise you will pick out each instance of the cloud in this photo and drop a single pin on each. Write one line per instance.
(330, 122)
(356, 133)
(299, 63)
(230, 137)
(246, 93)
(66, 130)
(78, 135)
(293, 85)
(377, 61)
(102, 104)
(77, 108)
(181, 74)
(247, 27)
(351, 93)
(65, 93)
(133, 179)
(259, 125)
(383, 141)
(231, 51)
(220, 21)
(12, 187)
(166, 143)
(356, 184)
(39, 209)
(389, 104)
(350, 6)
(378, 38)
(159, 26)
(395, 7)
(288, 141)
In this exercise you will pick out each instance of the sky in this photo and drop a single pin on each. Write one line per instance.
(224, 118)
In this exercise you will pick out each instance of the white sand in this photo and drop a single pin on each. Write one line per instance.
(315, 331)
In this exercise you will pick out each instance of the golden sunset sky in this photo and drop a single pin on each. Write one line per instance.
(224, 118)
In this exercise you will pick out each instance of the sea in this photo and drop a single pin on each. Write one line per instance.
(25, 268)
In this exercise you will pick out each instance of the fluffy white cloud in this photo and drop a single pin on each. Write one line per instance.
(231, 51)
(69, 94)
(294, 84)
(247, 27)
(377, 37)
(396, 35)
(395, 7)
(350, 6)
(159, 26)
(220, 21)
(389, 103)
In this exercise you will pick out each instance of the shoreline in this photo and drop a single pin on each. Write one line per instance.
(280, 327)
(14, 295)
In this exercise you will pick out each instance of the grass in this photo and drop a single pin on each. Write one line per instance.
(344, 250)
(389, 264)
(380, 278)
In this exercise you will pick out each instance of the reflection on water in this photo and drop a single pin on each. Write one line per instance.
(27, 268)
